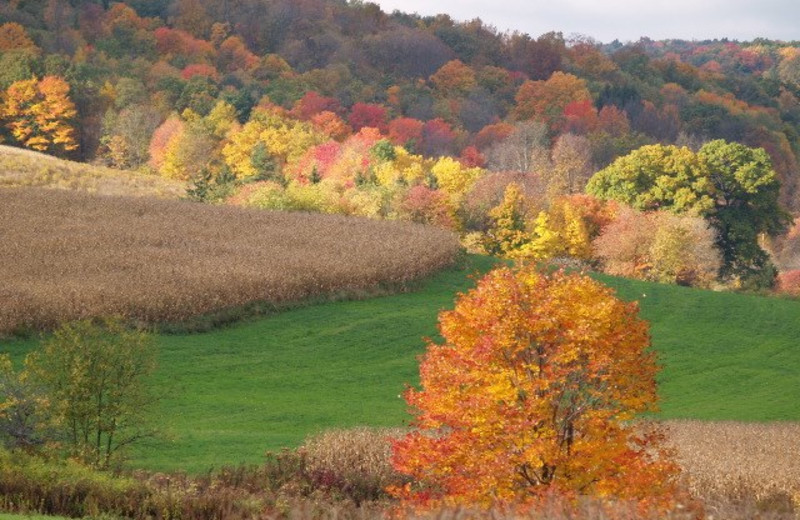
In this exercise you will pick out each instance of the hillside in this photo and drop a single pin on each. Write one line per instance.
(725, 357)
(20, 167)
(71, 255)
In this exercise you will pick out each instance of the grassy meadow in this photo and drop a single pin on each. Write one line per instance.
(233, 393)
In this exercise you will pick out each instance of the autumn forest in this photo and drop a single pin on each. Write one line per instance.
(288, 129)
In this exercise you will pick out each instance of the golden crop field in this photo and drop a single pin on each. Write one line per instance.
(70, 255)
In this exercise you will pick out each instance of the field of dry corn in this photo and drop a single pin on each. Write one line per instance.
(70, 255)
(732, 471)
(19, 167)
(741, 470)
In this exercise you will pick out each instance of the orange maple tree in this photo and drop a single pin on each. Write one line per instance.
(39, 114)
(532, 393)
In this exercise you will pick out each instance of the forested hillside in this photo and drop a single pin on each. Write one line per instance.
(339, 107)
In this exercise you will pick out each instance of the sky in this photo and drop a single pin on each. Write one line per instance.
(625, 20)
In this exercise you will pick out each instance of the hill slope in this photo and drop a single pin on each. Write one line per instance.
(234, 393)
(20, 167)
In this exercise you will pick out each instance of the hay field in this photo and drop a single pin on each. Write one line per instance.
(71, 255)
(19, 167)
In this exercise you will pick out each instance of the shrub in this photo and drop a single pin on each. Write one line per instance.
(789, 283)
(661, 247)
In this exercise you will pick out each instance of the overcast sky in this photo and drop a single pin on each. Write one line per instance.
(626, 20)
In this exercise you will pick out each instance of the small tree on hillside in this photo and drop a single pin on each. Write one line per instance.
(533, 392)
(94, 375)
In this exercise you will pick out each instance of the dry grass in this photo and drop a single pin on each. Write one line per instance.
(70, 255)
(20, 167)
(354, 461)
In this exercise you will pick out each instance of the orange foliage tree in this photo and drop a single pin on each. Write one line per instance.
(532, 393)
(39, 114)
(13, 36)
(546, 100)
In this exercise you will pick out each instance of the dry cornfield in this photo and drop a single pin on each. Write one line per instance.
(19, 167)
(741, 470)
(71, 255)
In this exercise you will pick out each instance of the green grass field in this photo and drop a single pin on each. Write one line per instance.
(234, 393)
(9, 516)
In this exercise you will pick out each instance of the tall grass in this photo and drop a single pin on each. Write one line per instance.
(20, 167)
(70, 255)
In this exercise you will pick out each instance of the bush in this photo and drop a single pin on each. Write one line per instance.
(661, 247)
(789, 283)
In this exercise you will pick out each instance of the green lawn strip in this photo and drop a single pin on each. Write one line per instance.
(21, 516)
(232, 394)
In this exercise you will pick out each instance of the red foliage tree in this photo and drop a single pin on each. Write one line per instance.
(200, 69)
(175, 42)
(471, 157)
(367, 115)
(405, 129)
(438, 138)
(312, 103)
(789, 282)
(426, 206)
(492, 134)
(580, 117)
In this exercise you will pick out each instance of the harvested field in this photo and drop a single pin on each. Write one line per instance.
(70, 255)
(19, 167)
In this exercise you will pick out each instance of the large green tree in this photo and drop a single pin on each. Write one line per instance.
(657, 177)
(746, 191)
(732, 185)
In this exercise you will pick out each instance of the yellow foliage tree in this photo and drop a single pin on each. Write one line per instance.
(405, 168)
(39, 114)
(285, 140)
(507, 233)
(454, 178)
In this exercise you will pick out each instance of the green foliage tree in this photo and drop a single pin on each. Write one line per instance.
(746, 206)
(95, 377)
(732, 185)
(656, 177)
